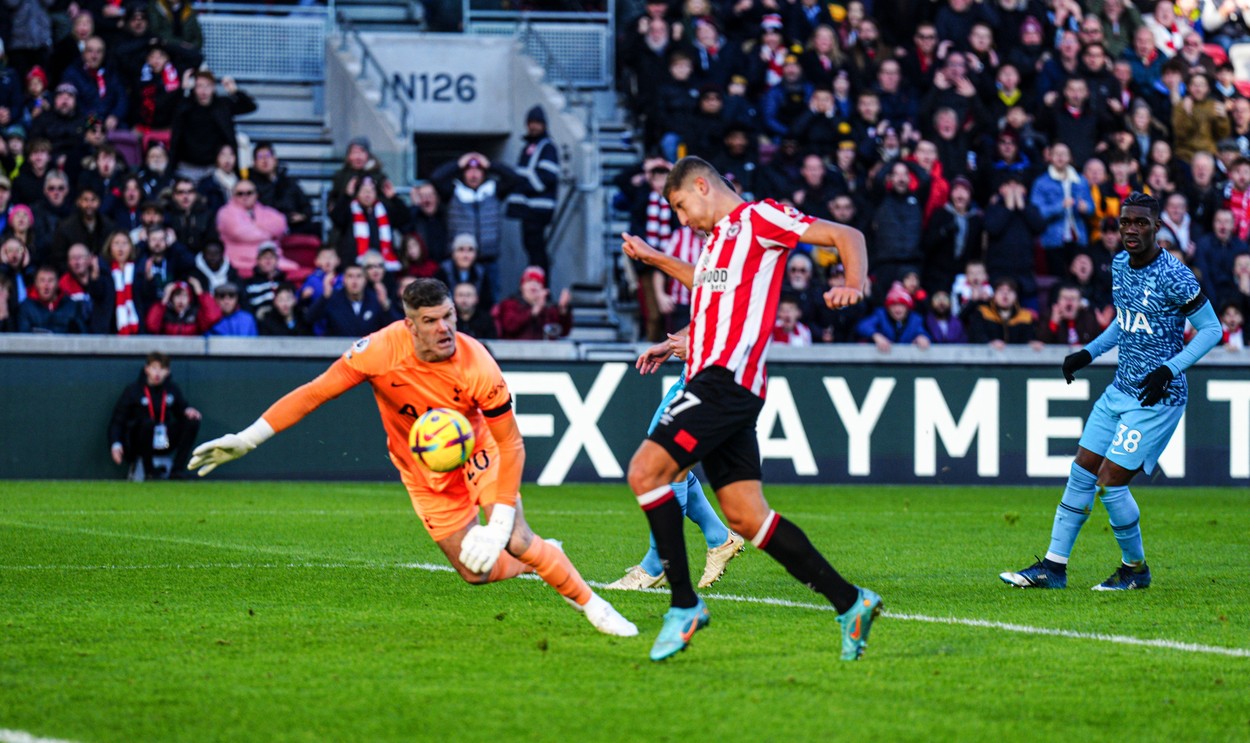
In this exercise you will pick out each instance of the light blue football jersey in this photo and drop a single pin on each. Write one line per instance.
(1148, 308)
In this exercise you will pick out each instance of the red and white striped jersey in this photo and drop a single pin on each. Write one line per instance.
(737, 280)
(684, 245)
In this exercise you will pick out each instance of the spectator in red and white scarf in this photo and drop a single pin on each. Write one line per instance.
(121, 303)
(154, 97)
(370, 219)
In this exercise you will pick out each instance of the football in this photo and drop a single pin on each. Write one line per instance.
(441, 439)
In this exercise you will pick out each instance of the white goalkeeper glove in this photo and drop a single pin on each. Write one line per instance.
(230, 447)
(480, 548)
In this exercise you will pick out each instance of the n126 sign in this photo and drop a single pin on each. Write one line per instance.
(439, 87)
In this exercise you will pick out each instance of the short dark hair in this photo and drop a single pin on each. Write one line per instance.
(425, 293)
(156, 357)
(1146, 201)
(263, 145)
(687, 169)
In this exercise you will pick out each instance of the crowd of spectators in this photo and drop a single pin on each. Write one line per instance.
(982, 146)
(125, 207)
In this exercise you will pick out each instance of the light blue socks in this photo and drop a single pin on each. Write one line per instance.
(1125, 519)
(1071, 513)
(695, 506)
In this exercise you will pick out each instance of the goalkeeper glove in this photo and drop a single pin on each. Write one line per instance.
(1074, 362)
(480, 548)
(230, 447)
(1155, 386)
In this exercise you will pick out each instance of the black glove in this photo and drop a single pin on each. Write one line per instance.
(1155, 386)
(1074, 362)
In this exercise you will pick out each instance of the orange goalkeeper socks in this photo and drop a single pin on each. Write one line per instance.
(553, 566)
(507, 567)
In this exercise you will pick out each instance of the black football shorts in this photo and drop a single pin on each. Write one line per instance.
(713, 421)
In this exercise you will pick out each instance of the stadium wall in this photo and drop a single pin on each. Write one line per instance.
(965, 415)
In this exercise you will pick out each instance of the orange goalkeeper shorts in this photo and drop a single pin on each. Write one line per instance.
(448, 501)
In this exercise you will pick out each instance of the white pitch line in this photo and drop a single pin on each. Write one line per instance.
(21, 736)
(1123, 639)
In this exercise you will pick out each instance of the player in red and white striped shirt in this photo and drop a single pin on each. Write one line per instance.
(736, 281)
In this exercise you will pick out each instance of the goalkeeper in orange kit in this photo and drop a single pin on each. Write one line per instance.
(419, 363)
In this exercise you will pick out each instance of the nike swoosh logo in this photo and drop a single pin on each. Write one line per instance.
(855, 632)
(400, 384)
(694, 625)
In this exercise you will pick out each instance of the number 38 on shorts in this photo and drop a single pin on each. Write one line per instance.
(1127, 439)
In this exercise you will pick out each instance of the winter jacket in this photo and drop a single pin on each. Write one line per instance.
(1079, 331)
(343, 320)
(162, 23)
(90, 102)
(63, 315)
(271, 323)
(517, 320)
(133, 406)
(238, 323)
(1047, 195)
(1011, 235)
(31, 26)
(480, 326)
(899, 221)
(478, 212)
(879, 321)
(538, 164)
(953, 332)
(197, 320)
(1198, 131)
(195, 228)
(985, 325)
(282, 192)
(73, 230)
(476, 275)
(200, 131)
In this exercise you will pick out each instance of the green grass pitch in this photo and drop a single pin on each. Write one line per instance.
(232, 611)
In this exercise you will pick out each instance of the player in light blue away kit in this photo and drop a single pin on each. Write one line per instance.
(722, 543)
(1154, 293)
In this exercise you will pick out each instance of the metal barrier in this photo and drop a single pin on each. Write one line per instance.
(267, 43)
(390, 100)
(583, 51)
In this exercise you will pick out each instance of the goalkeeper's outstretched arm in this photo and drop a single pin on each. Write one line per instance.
(283, 414)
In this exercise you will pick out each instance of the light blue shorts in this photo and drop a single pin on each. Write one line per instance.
(1121, 430)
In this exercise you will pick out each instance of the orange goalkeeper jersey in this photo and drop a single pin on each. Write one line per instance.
(405, 387)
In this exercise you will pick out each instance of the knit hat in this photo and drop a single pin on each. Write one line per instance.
(899, 295)
(67, 88)
(961, 182)
(269, 245)
(536, 114)
(1030, 25)
(362, 142)
(38, 72)
(534, 273)
(771, 22)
